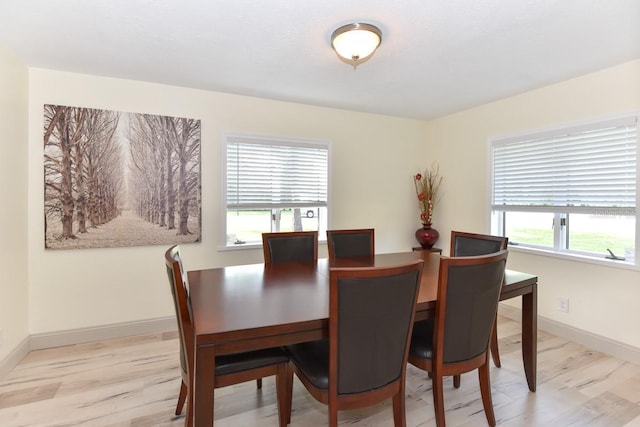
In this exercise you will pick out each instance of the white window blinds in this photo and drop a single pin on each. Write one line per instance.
(265, 174)
(586, 168)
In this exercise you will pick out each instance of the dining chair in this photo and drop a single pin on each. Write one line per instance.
(350, 243)
(230, 369)
(292, 246)
(457, 341)
(471, 244)
(364, 359)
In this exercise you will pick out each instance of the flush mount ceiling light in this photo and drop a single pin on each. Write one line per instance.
(355, 43)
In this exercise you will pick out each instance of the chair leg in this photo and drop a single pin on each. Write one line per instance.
(485, 391)
(494, 345)
(333, 416)
(259, 383)
(181, 398)
(399, 410)
(438, 399)
(456, 381)
(289, 393)
(188, 422)
(282, 379)
(333, 409)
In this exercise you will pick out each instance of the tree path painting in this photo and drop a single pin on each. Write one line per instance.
(115, 179)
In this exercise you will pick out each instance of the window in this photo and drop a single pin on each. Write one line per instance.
(571, 191)
(273, 184)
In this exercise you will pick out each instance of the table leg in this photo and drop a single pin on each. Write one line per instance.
(204, 378)
(530, 335)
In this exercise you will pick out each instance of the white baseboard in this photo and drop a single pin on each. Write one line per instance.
(595, 342)
(13, 358)
(78, 336)
(99, 333)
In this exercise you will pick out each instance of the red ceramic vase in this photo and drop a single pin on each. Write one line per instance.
(427, 236)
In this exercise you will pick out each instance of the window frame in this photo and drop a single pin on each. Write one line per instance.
(560, 234)
(234, 137)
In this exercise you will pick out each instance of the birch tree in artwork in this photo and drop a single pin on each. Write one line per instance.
(188, 171)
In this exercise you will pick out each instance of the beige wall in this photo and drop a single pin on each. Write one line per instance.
(373, 158)
(372, 161)
(14, 289)
(603, 300)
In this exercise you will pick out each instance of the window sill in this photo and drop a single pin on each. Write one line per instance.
(627, 265)
(252, 246)
(240, 247)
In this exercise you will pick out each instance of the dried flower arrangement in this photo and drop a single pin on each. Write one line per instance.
(428, 189)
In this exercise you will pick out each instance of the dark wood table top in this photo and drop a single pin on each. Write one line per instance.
(241, 301)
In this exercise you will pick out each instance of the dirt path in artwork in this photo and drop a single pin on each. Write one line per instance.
(127, 229)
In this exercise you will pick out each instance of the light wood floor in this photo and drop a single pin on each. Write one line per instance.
(135, 381)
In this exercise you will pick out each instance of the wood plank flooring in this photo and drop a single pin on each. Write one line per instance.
(134, 382)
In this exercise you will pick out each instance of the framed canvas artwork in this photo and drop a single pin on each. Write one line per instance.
(115, 179)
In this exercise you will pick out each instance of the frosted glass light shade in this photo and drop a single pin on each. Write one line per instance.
(356, 42)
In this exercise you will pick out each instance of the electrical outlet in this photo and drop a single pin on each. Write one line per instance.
(563, 304)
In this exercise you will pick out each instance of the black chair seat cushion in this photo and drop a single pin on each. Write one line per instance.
(312, 359)
(231, 363)
(422, 339)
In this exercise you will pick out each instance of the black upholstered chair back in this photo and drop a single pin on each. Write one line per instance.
(470, 289)
(182, 304)
(297, 246)
(371, 318)
(471, 244)
(350, 243)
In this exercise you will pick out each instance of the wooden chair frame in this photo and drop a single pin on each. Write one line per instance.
(283, 235)
(504, 241)
(331, 250)
(394, 390)
(185, 324)
(435, 366)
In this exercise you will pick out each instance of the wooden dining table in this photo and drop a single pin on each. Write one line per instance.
(249, 307)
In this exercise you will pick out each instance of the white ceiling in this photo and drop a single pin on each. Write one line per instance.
(436, 57)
